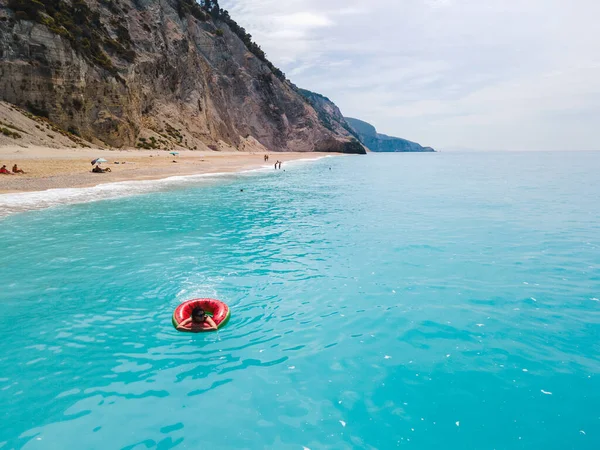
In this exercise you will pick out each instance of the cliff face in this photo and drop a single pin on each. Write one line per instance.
(382, 143)
(328, 112)
(153, 74)
(332, 118)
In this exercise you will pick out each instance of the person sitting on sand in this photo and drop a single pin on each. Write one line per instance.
(4, 170)
(198, 319)
(15, 169)
(99, 169)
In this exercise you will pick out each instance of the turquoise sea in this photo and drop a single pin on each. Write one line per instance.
(427, 301)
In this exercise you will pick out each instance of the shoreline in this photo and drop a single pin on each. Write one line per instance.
(49, 185)
(48, 168)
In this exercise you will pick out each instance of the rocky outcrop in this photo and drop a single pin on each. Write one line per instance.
(154, 74)
(328, 112)
(333, 119)
(382, 143)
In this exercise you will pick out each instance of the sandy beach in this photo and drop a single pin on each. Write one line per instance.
(50, 168)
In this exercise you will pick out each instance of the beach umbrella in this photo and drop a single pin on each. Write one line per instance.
(174, 153)
(98, 161)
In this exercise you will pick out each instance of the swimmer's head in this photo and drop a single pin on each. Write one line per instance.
(198, 315)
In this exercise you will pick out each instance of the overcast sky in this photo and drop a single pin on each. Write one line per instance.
(476, 74)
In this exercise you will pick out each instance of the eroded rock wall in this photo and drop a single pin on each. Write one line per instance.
(141, 73)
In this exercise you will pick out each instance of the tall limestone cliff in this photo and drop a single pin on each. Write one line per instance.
(362, 132)
(332, 118)
(328, 112)
(154, 74)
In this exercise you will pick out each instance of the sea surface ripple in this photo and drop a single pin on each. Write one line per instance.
(425, 300)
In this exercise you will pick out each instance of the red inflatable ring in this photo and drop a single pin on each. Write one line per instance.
(216, 308)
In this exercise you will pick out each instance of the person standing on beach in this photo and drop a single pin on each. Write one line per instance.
(276, 162)
(279, 164)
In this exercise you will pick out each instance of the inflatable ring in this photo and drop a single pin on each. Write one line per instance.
(216, 308)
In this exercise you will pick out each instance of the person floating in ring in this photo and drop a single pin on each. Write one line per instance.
(200, 314)
(198, 321)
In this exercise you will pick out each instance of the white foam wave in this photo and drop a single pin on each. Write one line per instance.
(28, 201)
(307, 160)
(297, 162)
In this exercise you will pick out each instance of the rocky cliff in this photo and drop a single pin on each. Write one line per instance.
(328, 112)
(332, 118)
(382, 143)
(154, 74)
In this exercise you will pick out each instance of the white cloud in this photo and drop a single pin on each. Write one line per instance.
(303, 20)
(513, 74)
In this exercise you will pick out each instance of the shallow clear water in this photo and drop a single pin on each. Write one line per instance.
(429, 301)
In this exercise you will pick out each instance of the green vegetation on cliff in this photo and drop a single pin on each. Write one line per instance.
(80, 25)
(209, 9)
(250, 44)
